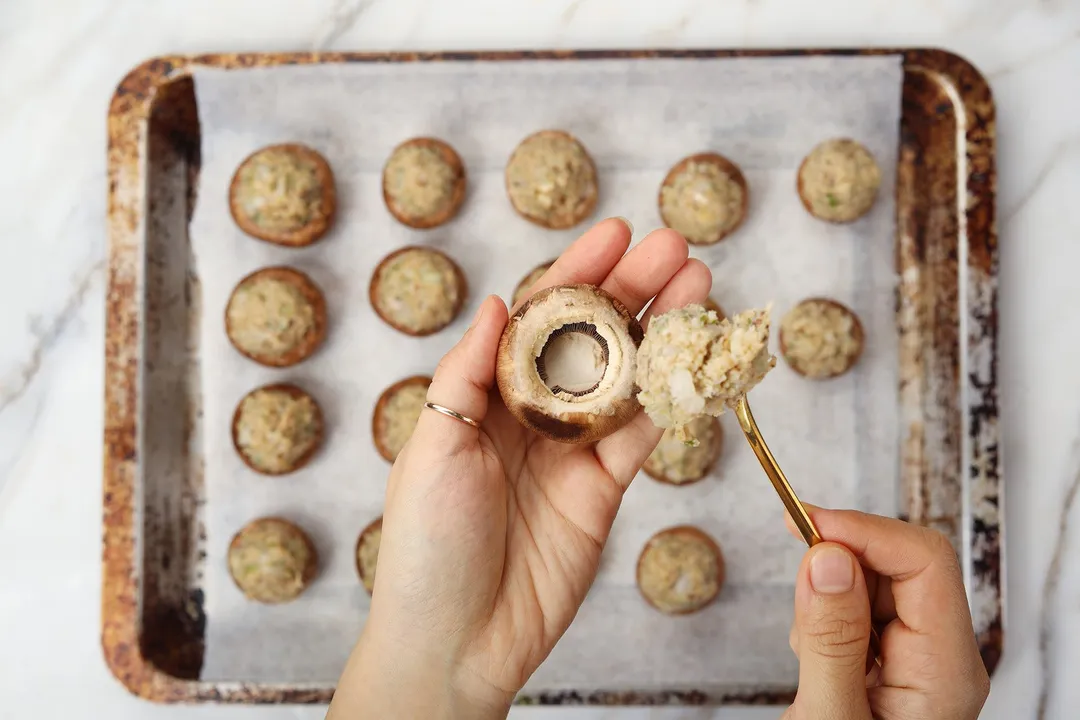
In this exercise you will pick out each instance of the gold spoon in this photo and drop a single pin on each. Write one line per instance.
(787, 495)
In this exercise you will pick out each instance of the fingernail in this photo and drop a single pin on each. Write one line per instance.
(629, 225)
(831, 571)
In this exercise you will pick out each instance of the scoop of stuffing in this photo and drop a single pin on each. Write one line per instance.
(692, 363)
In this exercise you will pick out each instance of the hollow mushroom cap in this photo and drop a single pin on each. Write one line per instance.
(564, 415)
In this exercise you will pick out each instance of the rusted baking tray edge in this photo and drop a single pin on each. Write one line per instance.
(946, 197)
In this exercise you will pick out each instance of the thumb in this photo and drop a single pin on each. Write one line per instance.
(463, 379)
(832, 624)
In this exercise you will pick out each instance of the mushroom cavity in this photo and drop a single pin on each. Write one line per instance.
(567, 362)
(573, 360)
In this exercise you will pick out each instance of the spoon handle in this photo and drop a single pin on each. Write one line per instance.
(783, 488)
(791, 501)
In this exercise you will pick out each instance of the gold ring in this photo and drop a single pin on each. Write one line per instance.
(451, 413)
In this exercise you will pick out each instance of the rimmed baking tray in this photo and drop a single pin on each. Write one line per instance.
(153, 626)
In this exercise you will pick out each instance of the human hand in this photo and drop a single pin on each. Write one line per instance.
(491, 538)
(907, 579)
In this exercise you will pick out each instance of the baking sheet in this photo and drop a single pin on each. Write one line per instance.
(838, 441)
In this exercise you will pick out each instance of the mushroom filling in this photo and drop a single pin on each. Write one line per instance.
(573, 360)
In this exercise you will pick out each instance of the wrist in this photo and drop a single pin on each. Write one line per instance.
(391, 677)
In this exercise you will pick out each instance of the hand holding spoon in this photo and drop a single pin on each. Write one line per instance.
(787, 495)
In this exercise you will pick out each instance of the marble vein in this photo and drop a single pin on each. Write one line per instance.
(83, 35)
(1047, 619)
(1046, 52)
(420, 15)
(678, 27)
(47, 333)
(567, 15)
(1060, 153)
(1025, 45)
(343, 17)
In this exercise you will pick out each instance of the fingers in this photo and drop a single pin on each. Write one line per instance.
(926, 583)
(882, 606)
(939, 655)
(462, 381)
(590, 258)
(832, 621)
(873, 674)
(623, 452)
(647, 269)
(690, 285)
(873, 678)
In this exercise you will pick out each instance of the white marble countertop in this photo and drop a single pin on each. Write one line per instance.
(61, 60)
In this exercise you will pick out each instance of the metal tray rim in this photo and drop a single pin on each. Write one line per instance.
(128, 120)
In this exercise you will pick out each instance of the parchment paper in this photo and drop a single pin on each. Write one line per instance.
(837, 440)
